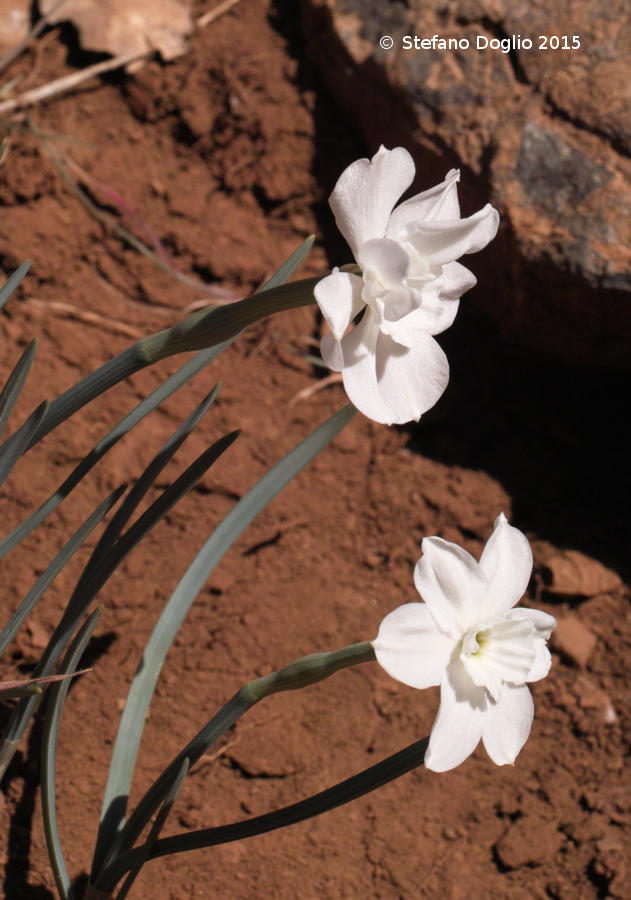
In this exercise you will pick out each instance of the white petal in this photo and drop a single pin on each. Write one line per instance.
(443, 242)
(360, 370)
(456, 280)
(507, 724)
(439, 202)
(460, 720)
(507, 563)
(411, 647)
(410, 379)
(447, 316)
(504, 652)
(339, 297)
(366, 192)
(332, 353)
(543, 622)
(541, 664)
(428, 318)
(386, 258)
(451, 583)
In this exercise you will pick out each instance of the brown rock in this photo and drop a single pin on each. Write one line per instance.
(121, 28)
(546, 127)
(15, 18)
(573, 639)
(530, 841)
(572, 573)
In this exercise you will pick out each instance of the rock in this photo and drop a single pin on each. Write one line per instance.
(573, 639)
(571, 573)
(15, 16)
(544, 134)
(591, 697)
(121, 28)
(530, 841)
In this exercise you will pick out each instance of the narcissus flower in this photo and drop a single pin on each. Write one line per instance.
(467, 638)
(393, 369)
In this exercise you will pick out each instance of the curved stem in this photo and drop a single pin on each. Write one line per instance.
(205, 328)
(298, 674)
(376, 776)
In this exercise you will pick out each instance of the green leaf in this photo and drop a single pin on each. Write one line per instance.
(357, 786)
(14, 384)
(26, 606)
(88, 587)
(155, 830)
(141, 691)
(172, 384)
(290, 265)
(100, 573)
(56, 699)
(13, 281)
(17, 444)
(205, 329)
(143, 484)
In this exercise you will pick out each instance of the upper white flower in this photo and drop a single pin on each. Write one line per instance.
(467, 638)
(393, 369)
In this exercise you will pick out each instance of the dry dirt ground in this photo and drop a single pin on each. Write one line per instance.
(224, 160)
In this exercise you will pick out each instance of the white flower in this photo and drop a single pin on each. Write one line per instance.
(467, 638)
(393, 369)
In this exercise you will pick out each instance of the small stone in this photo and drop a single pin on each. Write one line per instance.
(372, 559)
(38, 634)
(531, 841)
(573, 639)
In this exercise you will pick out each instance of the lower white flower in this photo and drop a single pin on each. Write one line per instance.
(467, 638)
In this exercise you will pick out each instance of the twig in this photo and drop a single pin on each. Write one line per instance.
(22, 45)
(67, 82)
(110, 222)
(84, 315)
(305, 393)
(213, 14)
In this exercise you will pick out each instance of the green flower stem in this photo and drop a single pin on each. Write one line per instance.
(205, 328)
(298, 674)
(357, 786)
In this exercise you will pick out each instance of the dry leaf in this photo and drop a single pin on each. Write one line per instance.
(123, 27)
(15, 22)
(571, 573)
(32, 685)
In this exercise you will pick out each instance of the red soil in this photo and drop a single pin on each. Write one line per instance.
(227, 156)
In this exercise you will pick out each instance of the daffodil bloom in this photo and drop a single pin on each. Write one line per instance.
(467, 638)
(409, 288)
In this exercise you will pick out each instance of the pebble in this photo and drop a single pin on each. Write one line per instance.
(573, 639)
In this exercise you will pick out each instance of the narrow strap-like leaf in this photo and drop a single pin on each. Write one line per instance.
(206, 328)
(344, 792)
(100, 573)
(51, 572)
(141, 691)
(290, 265)
(56, 698)
(146, 406)
(83, 597)
(14, 384)
(12, 282)
(148, 477)
(369, 780)
(155, 830)
(17, 444)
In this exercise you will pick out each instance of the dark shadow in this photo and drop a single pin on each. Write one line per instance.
(554, 436)
(26, 769)
(16, 885)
